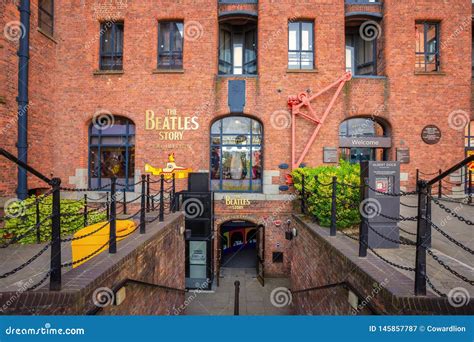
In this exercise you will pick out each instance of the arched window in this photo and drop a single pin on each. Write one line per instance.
(363, 139)
(236, 155)
(112, 153)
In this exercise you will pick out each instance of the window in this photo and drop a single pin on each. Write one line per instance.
(236, 155)
(170, 45)
(427, 47)
(300, 45)
(112, 153)
(111, 46)
(238, 49)
(360, 54)
(46, 16)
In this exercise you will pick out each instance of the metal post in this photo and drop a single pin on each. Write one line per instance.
(125, 201)
(333, 207)
(469, 188)
(148, 193)
(162, 198)
(421, 239)
(108, 207)
(113, 217)
(417, 175)
(153, 203)
(38, 220)
(143, 206)
(363, 227)
(173, 193)
(440, 187)
(86, 219)
(303, 204)
(236, 298)
(55, 277)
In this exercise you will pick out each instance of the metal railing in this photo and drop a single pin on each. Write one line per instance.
(109, 208)
(423, 220)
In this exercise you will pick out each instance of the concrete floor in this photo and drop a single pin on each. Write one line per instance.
(255, 299)
(245, 258)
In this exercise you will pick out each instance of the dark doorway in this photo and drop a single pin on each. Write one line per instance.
(238, 243)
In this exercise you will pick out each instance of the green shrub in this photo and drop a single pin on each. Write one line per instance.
(72, 221)
(319, 198)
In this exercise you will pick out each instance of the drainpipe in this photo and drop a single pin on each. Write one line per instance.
(22, 99)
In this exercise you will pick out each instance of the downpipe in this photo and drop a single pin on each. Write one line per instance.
(22, 99)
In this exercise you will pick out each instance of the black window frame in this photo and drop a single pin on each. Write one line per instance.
(300, 51)
(231, 30)
(425, 51)
(358, 65)
(126, 138)
(115, 55)
(220, 135)
(49, 13)
(172, 53)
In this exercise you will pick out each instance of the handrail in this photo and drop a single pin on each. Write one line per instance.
(456, 167)
(125, 282)
(344, 284)
(28, 168)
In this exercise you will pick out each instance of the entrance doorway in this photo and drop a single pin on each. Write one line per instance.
(238, 241)
(240, 245)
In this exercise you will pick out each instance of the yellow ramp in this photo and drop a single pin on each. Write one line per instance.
(84, 247)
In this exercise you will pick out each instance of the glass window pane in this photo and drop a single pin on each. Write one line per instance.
(236, 124)
(294, 60)
(240, 139)
(112, 162)
(293, 36)
(257, 169)
(236, 168)
(307, 60)
(307, 36)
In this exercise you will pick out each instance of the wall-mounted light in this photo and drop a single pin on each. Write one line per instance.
(290, 233)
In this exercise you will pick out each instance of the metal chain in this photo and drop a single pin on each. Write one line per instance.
(349, 236)
(401, 218)
(72, 263)
(430, 284)
(19, 268)
(18, 238)
(452, 213)
(401, 194)
(450, 238)
(460, 276)
(41, 282)
(408, 206)
(86, 235)
(408, 243)
(83, 189)
(406, 231)
(132, 216)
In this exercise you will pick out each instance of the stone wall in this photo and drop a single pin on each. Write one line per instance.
(318, 260)
(155, 258)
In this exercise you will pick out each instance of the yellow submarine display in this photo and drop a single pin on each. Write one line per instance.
(171, 169)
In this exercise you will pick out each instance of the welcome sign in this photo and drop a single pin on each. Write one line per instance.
(170, 126)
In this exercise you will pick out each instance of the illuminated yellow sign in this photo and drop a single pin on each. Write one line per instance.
(236, 203)
(171, 126)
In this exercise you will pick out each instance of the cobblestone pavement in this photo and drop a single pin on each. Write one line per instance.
(255, 299)
(454, 256)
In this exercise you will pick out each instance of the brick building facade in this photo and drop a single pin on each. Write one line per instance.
(396, 83)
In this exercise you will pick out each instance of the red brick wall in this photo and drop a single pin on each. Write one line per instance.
(41, 95)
